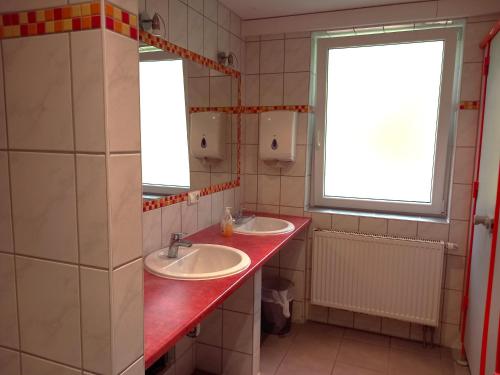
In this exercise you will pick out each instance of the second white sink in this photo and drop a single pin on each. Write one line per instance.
(198, 262)
(262, 226)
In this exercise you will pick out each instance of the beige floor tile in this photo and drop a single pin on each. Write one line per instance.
(366, 337)
(343, 369)
(415, 346)
(413, 363)
(369, 356)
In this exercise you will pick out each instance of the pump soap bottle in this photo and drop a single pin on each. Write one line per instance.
(226, 224)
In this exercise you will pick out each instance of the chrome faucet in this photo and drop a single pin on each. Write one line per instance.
(176, 241)
(240, 218)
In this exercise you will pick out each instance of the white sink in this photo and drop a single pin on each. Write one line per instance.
(198, 262)
(263, 226)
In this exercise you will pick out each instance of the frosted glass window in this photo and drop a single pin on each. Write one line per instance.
(382, 117)
(164, 146)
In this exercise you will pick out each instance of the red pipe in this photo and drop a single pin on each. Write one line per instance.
(494, 238)
(497, 371)
(491, 34)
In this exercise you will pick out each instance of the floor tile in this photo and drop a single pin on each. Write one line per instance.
(415, 346)
(412, 363)
(369, 356)
(367, 337)
(343, 369)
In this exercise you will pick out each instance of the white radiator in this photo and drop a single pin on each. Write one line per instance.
(397, 278)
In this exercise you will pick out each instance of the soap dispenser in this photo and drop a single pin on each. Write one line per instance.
(277, 132)
(226, 224)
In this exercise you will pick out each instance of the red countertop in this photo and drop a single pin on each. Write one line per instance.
(173, 307)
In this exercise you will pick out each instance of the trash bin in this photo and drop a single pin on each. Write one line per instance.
(277, 303)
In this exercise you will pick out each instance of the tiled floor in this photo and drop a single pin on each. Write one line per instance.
(317, 349)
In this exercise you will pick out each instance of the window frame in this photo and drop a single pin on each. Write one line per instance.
(149, 53)
(447, 107)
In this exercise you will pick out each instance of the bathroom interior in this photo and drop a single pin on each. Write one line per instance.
(235, 187)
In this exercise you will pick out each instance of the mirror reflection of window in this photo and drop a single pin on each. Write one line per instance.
(165, 155)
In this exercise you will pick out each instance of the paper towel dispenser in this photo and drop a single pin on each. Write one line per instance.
(277, 132)
(207, 135)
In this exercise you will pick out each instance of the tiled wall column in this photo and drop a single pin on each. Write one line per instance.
(70, 202)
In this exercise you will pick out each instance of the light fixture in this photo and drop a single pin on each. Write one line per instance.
(154, 24)
(228, 59)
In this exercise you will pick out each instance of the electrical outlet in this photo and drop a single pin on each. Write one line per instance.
(193, 197)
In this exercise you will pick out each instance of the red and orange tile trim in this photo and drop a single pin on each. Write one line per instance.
(253, 109)
(470, 104)
(121, 21)
(185, 53)
(84, 16)
(51, 20)
(173, 199)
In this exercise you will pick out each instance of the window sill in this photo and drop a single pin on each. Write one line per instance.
(388, 216)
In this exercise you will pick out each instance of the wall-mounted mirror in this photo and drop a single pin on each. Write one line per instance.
(188, 123)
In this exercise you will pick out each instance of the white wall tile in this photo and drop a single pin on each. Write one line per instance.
(292, 191)
(6, 239)
(298, 280)
(467, 128)
(122, 92)
(130, 5)
(474, 34)
(402, 228)
(38, 366)
(208, 358)
(464, 165)
(198, 92)
(8, 313)
(223, 17)
(196, 4)
(272, 56)
(460, 201)
(170, 222)
(271, 89)
(125, 200)
(44, 205)
(252, 90)
(189, 218)
(220, 91)
(185, 364)
(341, 318)
(211, 329)
(251, 129)
(49, 309)
(471, 81)
(160, 7)
(455, 269)
(217, 207)
(127, 315)
(195, 31)
(178, 23)
(235, 24)
(9, 362)
(43, 119)
(297, 55)
(237, 331)
(296, 89)
(395, 328)
(452, 303)
(252, 53)
(433, 231)
(345, 222)
(268, 189)
(244, 299)
(88, 90)
(367, 322)
(204, 212)
(459, 234)
(250, 154)
(209, 37)
(13, 5)
(250, 189)
(151, 231)
(293, 255)
(92, 210)
(298, 167)
(210, 9)
(372, 225)
(96, 314)
(321, 221)
(450, 335)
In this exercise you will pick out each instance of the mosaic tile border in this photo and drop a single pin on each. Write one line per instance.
(471, 104)
(253, 109)
(259, 109)
(121, 21)
(165, 45)
(173, 199)
(66, 18)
